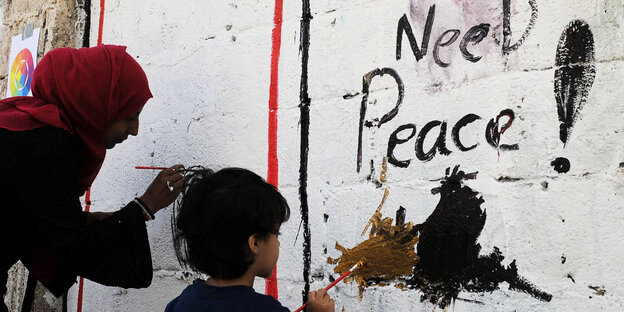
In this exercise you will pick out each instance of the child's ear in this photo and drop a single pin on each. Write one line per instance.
(254, 244)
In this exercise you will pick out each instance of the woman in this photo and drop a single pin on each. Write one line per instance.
(52, 146)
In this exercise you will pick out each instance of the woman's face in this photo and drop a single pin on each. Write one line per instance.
(120, 129)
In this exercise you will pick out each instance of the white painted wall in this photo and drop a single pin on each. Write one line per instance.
(210, 107)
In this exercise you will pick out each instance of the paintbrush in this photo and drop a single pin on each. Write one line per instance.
(345, 274)
(163, 168)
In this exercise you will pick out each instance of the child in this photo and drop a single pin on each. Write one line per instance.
(227, 227)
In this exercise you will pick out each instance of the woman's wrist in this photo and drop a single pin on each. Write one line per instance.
(149, 215)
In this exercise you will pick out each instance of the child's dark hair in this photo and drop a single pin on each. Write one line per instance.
(217, 213)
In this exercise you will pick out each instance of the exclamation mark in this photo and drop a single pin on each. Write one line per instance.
(574, 78)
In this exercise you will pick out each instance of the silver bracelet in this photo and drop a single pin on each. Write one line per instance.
(145, 211)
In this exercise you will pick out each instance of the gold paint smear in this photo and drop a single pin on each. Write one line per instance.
(384, 168)
(377, 212)
(387, 254)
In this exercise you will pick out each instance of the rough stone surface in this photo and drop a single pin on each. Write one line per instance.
(62, 25)
(58, 19)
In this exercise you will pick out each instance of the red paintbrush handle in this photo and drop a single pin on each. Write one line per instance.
(155, 168)
(338, 280)
(332, 284)
(301, 307)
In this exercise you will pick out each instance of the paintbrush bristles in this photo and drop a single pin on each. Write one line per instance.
(360, 264)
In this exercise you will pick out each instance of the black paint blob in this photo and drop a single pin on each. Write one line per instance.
(448, 251)
(447, 260)
(561, 165)
(575, 74)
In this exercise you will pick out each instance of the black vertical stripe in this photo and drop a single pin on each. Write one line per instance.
(87, 29)
(304, 107)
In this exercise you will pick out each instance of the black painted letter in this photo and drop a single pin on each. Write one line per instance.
(493, 134)
(460, 124)
(404, 25)
(474, 35)
(440, 143)
(366, 81)
(394, 140)
(507, 47)
(438, 44)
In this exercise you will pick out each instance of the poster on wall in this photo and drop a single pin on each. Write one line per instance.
(22, 62)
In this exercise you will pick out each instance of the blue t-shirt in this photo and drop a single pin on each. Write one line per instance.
(202, 297)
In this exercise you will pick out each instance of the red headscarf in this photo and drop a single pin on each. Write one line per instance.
(81, 91)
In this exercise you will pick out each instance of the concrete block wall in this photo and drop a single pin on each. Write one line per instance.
(61, 23)
(209, 65)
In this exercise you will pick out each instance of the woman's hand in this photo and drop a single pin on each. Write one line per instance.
(319, 301)
(164, 189)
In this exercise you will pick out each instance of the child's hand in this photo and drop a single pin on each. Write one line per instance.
(319, 301)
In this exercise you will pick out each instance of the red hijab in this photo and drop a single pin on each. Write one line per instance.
(81, 91)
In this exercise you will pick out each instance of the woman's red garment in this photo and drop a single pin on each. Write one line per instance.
(81, 91)
(52, 147)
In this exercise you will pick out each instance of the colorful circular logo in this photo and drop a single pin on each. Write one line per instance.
(21, 73)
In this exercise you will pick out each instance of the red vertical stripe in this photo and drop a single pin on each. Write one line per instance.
(80, 287)
(101, 25)
(272, 171)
